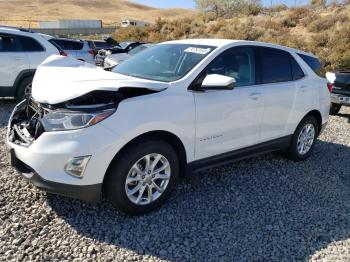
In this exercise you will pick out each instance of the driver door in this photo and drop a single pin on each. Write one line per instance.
(227, 120)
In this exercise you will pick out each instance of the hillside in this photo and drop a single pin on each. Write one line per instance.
(322, 31)
(22, 12)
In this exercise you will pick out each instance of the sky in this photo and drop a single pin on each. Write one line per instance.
(190, 3)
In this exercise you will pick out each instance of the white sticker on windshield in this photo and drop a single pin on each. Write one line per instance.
(198, 50)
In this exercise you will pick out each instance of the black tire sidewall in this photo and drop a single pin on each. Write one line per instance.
(334, 109)
(115, 187)
(293, 153)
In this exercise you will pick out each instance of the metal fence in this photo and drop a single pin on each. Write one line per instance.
(75, 31)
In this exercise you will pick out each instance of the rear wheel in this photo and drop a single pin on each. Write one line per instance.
(303, 139)
(143, 177)
(25, 88)
(334, 109)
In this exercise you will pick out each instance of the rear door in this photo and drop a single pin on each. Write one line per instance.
(35, 51)
(280, 91)
(12, 60)
(227, 120)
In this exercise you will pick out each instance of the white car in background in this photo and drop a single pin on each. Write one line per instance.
(178, 107)
(112, 61)
(21, 51)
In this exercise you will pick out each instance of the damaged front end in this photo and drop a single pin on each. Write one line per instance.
(24, 125)
(31, 119)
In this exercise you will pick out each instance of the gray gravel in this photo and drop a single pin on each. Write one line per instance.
(262, 209)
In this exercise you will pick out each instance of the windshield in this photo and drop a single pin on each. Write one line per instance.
(137, 49)
(166, 62)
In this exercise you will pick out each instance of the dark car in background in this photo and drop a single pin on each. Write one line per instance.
(97, 45)
(341, 90)
(122, 47)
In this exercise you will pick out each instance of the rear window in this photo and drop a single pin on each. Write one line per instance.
(7, 44)
(68, 45)
(101, 44)
(29, 44)
(275, 65)
(313, 63)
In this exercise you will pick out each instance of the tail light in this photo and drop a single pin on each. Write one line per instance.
(330, 87)
(92, 52)
(62, 53)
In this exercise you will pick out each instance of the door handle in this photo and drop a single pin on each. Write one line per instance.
(255, 96)
(19, 58)
(303, 88)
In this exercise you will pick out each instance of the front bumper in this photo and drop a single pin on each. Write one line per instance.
(88, 193)
(340, 99)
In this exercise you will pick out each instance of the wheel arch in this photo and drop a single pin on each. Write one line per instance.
(165, 136)
(21, 76)
(317, 115)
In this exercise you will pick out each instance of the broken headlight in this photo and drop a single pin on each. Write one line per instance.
(61, 120)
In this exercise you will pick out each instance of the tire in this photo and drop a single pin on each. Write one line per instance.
(294, 151)
(334, 109)
(116, 186)
(25, 88)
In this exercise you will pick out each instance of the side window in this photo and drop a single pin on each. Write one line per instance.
(238, 62)
(296, 69)
(7, 43)
(275, 65)
(29, 44)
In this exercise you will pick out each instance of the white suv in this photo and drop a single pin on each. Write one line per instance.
(172, 109)
(21, 52)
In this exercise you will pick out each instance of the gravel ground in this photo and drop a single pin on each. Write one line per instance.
(261, 209)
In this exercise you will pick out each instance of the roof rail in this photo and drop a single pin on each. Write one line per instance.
(17, 28)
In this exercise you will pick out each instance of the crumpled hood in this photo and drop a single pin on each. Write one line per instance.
(59, 79)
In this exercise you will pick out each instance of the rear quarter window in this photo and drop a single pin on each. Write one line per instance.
(313, 63)
(68, 45)
(102, 45)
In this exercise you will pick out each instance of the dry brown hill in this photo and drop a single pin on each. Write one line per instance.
(29, 12)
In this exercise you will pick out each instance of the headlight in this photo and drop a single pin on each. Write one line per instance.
(61, 120)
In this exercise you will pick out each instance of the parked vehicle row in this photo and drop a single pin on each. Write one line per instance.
(340, 90)
(172, 109)
(21, 52)
(112, 61)
(123, 47)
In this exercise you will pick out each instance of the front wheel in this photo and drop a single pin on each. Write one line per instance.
(142, 178)
(303, 139)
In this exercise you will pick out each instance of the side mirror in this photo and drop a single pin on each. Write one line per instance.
(218, 82)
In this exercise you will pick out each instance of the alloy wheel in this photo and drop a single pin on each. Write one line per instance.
(306, 139)
(147, 179)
